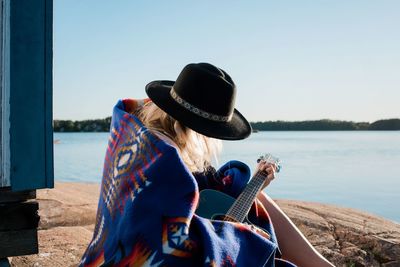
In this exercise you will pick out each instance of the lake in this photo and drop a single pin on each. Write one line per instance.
(357, 169)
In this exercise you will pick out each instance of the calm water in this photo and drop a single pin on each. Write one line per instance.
(352, 169)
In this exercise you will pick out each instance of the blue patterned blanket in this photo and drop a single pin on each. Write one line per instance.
(146, 208)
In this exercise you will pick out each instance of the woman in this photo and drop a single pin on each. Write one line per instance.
(159, 156)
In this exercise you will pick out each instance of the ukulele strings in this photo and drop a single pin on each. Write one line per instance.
(240, 213)
(252, 194)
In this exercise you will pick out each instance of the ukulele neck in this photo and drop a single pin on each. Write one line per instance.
(243, 203)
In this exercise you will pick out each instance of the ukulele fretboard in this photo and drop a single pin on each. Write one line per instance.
(242, 205)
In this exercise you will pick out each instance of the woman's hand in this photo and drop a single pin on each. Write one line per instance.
(267, 169)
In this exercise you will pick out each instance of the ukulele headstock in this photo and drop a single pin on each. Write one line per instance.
(269, 158)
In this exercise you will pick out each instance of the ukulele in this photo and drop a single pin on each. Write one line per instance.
(220, 206)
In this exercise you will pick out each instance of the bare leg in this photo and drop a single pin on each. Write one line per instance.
(293, 244)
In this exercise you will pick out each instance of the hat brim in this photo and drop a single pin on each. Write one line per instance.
(236, 128)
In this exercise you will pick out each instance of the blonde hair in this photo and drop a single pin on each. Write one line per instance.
(196, 150)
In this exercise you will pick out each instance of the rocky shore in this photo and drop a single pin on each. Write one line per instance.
(345, 236)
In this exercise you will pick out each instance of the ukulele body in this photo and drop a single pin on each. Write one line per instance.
(214, 205)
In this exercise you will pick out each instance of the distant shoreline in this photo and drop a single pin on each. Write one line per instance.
(102, 125)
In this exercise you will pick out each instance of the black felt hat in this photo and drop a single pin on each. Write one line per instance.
(202, 98)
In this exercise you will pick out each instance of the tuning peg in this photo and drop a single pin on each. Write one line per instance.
(260, 158)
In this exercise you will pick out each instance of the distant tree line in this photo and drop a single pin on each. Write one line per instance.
(100, 125)
(326, 125)
(103, 125)
(392, 124)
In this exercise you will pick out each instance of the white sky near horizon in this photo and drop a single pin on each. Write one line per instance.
(291, 60)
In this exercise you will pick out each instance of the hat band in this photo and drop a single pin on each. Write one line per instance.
(196, 110)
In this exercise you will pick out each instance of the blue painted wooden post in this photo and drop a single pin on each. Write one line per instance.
(26, 159)
(30, 82)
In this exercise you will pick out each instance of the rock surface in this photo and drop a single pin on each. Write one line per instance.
(345, 236)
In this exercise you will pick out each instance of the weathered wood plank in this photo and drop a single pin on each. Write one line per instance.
(16, 243)
(30, 81)
(7, 196)
(18, 216)
(49, 168)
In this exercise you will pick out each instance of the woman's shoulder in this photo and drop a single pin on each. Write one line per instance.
(126, 117)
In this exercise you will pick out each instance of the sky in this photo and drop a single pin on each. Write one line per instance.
(290, 60)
